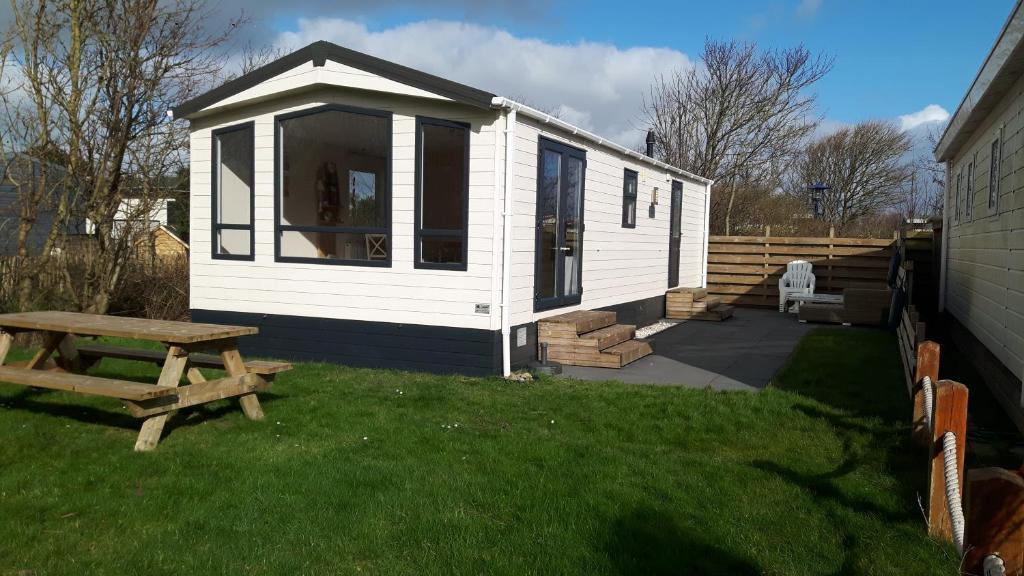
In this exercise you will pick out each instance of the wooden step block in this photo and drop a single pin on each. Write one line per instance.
(574, 323)
(607, 337)
(687, 293)
(630, 351)
(595, 339)
(716, 314)
(615, 356)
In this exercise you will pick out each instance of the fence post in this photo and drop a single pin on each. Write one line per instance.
(927, 365)
(767, 256)
(950, 416)
(995, 519)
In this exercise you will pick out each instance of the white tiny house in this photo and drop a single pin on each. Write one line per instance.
(362, 212)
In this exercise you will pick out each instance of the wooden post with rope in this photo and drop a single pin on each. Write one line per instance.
(927, 365)
(950, 416)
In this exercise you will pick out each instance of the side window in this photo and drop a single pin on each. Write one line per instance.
(994, 175)
(956, 196)
(232, 193)
(629, 185)
(442, 194)
(969, 192)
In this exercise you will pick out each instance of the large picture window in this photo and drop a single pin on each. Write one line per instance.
(232, 193)
(629, 184)
(442, 194)
(333, 199)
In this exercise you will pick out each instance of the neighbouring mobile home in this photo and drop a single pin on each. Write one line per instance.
(983, 219)
(362, 212)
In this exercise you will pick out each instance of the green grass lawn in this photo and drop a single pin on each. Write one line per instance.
(376, 472)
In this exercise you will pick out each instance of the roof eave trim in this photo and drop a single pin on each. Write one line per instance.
(991, 67)
(321, 51)
(502, 102)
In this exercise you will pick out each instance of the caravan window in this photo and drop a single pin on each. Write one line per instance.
(232, 194)
(333, 200)
(629, 184)
(442, 194)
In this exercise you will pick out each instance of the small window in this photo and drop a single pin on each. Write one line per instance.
(969, 192)
(994, 175)
(333, 199)
(442, 194)
(232, 194)
(629, 184)
(956, 197)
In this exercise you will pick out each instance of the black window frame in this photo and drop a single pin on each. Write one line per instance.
(995, 169)
(565, 149)
(628, 175)
(279, 229)
(418, 230)
(216, 227)
(969, 191)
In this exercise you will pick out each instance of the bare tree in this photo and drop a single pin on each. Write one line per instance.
(863, 166)
(99, 78)
(738, 117)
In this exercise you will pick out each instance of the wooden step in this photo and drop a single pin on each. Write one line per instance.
(574, 323)
(615, 356)
(716, 314)
(682, 294)
(597, 339)
(630, 351)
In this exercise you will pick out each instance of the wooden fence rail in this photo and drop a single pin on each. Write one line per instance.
(745, 270)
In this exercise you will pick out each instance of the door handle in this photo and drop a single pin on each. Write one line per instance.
(562, 248)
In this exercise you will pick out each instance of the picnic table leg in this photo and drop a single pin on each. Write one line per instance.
(6, 339)
(53, 340)
(153, 427)
(236, 367)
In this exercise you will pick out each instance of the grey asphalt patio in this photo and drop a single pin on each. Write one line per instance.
(741, 353)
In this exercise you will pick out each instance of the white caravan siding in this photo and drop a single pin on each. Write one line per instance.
(985, 259)
(399, 294)
(619, 264)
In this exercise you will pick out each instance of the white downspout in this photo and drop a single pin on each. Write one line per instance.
(707, 233)
(506, 261)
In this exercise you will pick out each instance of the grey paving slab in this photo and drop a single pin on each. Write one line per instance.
(742, 353)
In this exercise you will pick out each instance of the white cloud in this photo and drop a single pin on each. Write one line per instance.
(598, 86)
(808, 8)
(928, 114)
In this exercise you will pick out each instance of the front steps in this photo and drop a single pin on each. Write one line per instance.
(590, 338)
(695, 304)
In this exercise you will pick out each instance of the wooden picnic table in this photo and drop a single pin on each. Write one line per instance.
(184, 343)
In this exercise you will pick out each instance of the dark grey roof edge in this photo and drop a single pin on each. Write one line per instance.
(321, 51)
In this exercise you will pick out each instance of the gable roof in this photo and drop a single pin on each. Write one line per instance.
(1001, 68)
(319, 53)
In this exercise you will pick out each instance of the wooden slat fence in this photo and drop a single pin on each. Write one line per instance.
(745, 270)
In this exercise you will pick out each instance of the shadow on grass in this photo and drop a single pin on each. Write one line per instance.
(33, 400)
(647, 541)
(854, 383)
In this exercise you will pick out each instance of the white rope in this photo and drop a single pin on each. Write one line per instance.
(993, 566)
(956, 511)
(929, 400)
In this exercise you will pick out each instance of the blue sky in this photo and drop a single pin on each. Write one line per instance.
(892, 58)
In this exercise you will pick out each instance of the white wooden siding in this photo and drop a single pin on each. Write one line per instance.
(985, 257)
(401, 293)
(619, 264)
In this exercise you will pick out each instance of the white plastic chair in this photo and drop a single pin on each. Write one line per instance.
(798, 279)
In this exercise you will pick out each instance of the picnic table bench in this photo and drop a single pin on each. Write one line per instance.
(184, 343)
